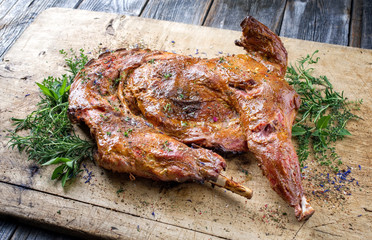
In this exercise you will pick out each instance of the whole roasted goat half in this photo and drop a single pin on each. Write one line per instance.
(157, 115)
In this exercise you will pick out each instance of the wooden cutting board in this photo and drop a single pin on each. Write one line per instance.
(144, 209)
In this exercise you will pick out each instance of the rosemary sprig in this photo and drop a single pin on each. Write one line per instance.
(50, 138)
(323, 113)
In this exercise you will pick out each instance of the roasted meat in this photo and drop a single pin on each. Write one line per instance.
(157, 115)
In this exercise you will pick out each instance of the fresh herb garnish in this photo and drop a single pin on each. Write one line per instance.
(166, 146)
(74, 62)
(322, 116)
(167, 107)
(221, 60)
(167, 75)
(126, 133)
(50, 138)
(120, 190)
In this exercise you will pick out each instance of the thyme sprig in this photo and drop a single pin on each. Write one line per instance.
(50, 138)
(323, 113)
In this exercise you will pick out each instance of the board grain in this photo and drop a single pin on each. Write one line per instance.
(269, 13)
(147, 209)
(315, 21)
(127, 7)
(367, 24)
(356, 24)
(26, 11)
(7, 228)
(189, 11)
(26, 232)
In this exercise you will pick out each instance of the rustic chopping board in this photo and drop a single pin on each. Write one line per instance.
(144, 209)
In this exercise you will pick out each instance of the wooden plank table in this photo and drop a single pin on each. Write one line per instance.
(338, 22)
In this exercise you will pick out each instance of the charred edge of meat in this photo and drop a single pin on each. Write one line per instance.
(90, 62)
(217, 149)
(244, 85)
(190, 107)
(125, 95)
(259, 38)
(102, 55)
(227, 153)
(132, 104)
(120, 50)
(73, 115)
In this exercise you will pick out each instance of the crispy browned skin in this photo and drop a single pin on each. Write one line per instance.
(126, 142)
(144, 106)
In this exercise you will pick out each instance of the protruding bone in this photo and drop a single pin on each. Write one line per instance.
(233, 186)
(303, 211)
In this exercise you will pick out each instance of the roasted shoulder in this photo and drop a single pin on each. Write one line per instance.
(159, 115)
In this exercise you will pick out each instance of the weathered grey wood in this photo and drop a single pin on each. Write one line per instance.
(186, 11)
(127, 7)
(20, 15)
(366, 41)
(5, 7)
(228, 14)
(317, 20)
(12, 229)
(7, 228)
(355, 35)
(27, 232)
